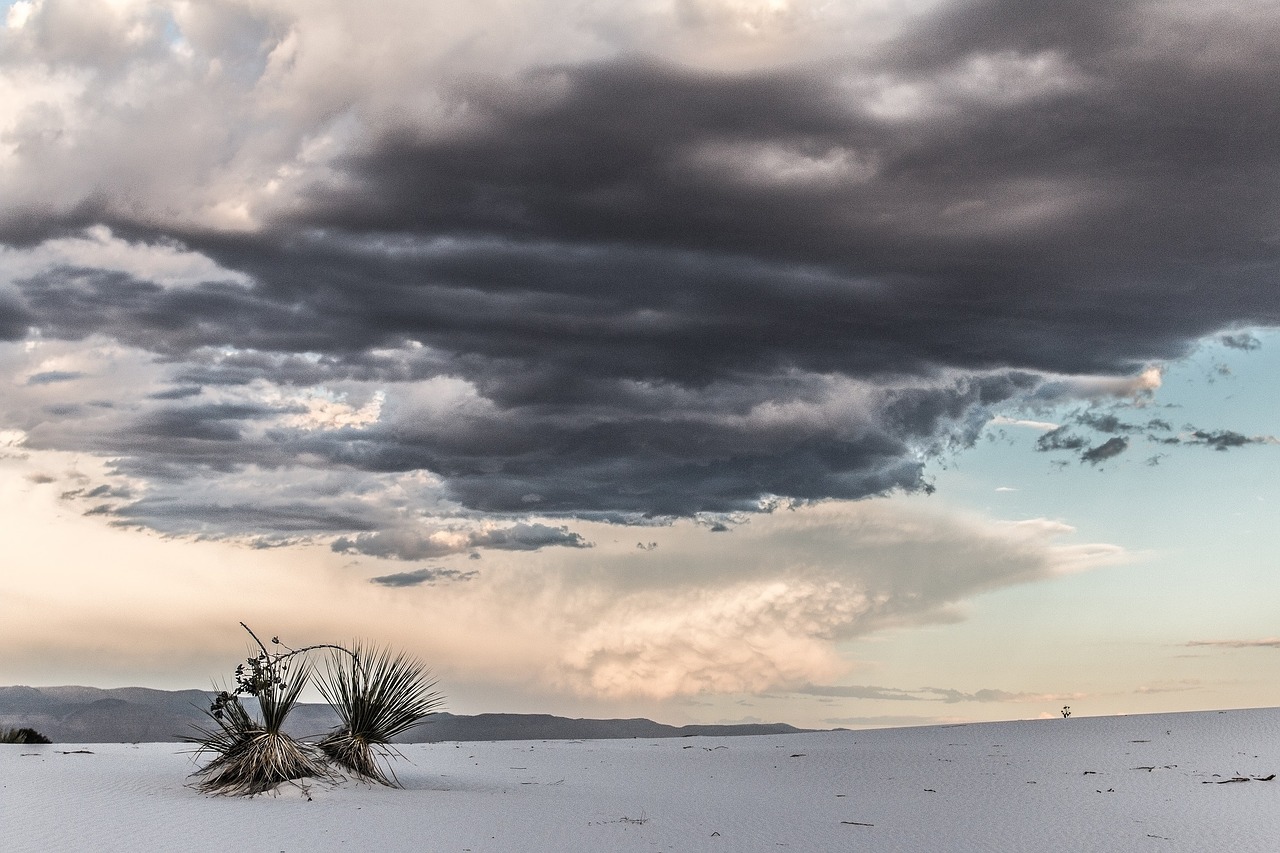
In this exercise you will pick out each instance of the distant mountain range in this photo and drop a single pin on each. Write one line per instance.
(142, 715)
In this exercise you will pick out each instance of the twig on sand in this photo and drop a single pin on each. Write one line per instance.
(1243, 779)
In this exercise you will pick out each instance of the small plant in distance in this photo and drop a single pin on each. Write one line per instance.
(250, 755)
(1066, 711)
(23, 735)
(377, 695)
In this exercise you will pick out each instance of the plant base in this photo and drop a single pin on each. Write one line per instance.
(259, 762)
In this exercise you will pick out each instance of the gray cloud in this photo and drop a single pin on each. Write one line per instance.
(415, 544)
(1222, 439)
(1109, 449)
(1060, 439)
(1242, 341)
(619, 287)
(49, 377)
(1108, 423)
(417, 577)
(176, 516)
(180, 393)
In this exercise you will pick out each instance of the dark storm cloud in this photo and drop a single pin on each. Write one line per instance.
(15, 319)
(1065, 247)
(218, 422)
(70, 304)
(655, 278)
(625, 453)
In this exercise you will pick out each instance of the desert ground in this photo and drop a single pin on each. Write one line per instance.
(1171, 782)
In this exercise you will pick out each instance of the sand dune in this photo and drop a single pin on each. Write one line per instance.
(1169, 782)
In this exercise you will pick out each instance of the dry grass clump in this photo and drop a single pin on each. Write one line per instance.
(377, 695)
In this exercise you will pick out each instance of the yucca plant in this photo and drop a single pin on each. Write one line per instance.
(252, 756)
(23, 735)
(377, 695)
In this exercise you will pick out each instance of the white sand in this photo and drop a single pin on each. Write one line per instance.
(1083, 784)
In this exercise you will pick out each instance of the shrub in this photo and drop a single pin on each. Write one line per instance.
(252, 756)
(23, 735)
(377, 695)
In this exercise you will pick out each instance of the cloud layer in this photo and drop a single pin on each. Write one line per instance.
(621, 264)
(771, 605)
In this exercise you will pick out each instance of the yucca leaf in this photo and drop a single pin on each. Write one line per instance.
(377, 695)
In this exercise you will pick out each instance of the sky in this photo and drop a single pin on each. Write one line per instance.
(848, 364)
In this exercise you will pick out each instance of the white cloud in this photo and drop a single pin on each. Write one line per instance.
(16, 17)
(777, 165)
(1002, 420)
(1138, 387)
(165, 264)
(327, 409)
(1009, 77)
(1003, 78)
(770, 605)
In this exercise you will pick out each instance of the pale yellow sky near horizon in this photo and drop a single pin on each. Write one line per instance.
(773, 620)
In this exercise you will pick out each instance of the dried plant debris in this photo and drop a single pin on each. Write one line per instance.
(1220, 781)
